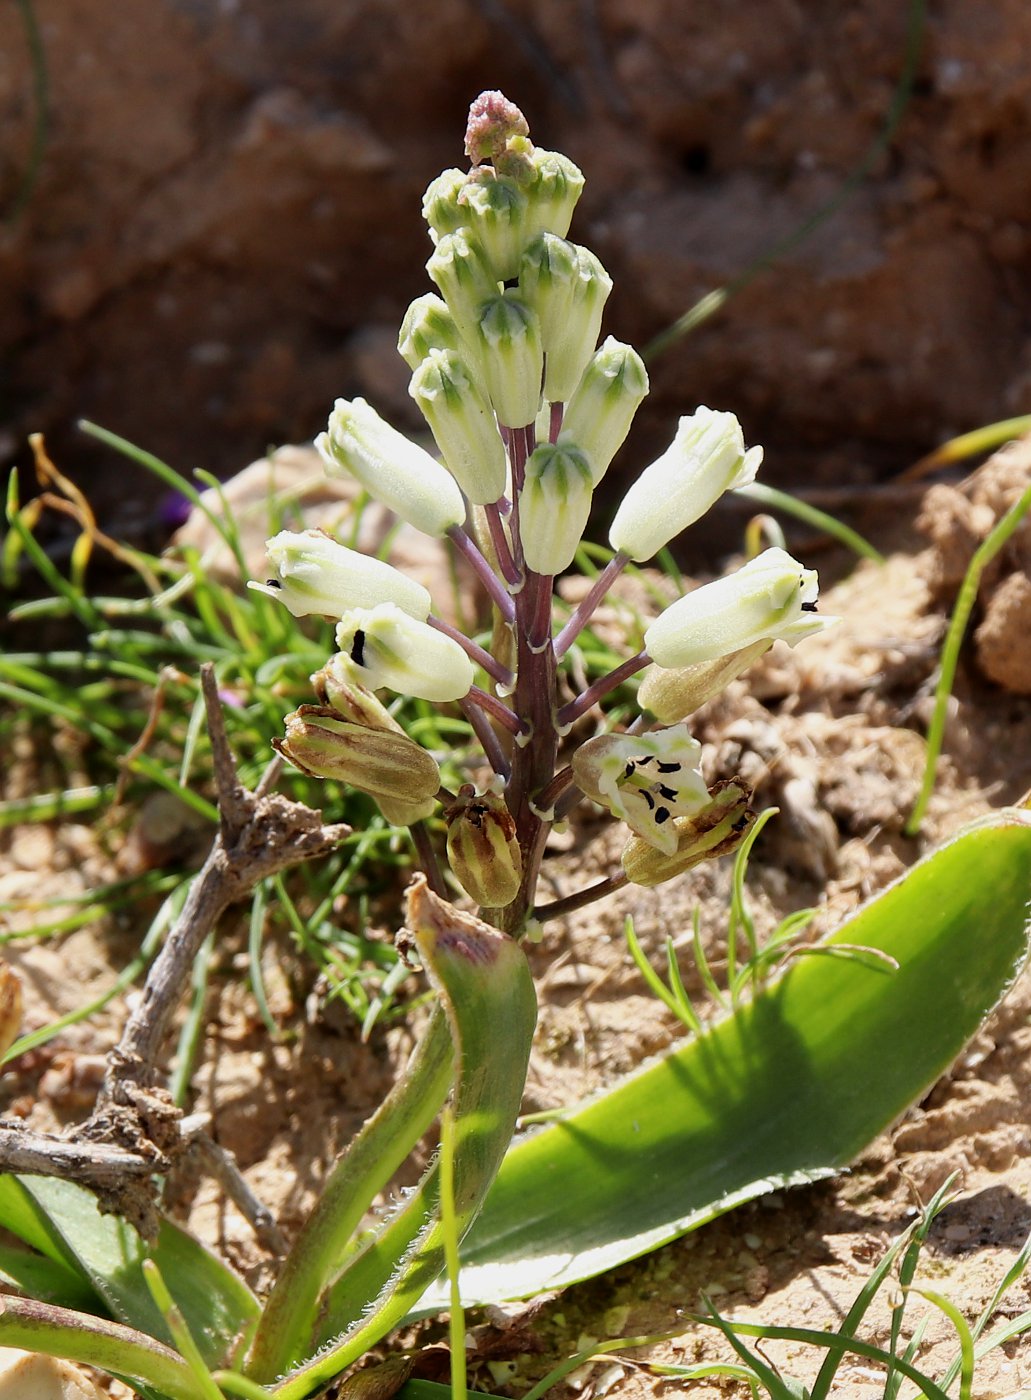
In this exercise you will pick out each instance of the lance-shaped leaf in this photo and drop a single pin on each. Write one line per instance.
(485, 988)
(789, 1088)
(64, 1221)
(110, 1346)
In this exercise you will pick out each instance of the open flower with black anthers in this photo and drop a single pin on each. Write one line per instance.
(527, 412)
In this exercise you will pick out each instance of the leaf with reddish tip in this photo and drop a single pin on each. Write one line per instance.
(486, 993)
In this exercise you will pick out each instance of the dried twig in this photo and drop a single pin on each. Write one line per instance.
(135, 1129)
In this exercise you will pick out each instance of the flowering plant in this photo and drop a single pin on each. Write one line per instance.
(527, 413)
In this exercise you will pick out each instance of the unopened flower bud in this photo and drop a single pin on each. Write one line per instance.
(495, 213)
(770, 598)
(602, 407)
(706, 458)
(377, 761)
(647, 780)
(389, 648)
(391, 468)
(554, 186)
(427, 325)
(716, 830)
(463, 424)
(567, 286)
(464, 278)
(553, 506)
(316, 575)
(482, 849)
(512, 359)
(672, 695)
(441, 204)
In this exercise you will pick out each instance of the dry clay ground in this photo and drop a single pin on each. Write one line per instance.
(830, 733)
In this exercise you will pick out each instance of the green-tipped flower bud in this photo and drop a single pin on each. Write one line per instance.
(567, 286)
(427, 325)
(442, 207)
(599, 414)
(495, 213)
(772, 597)
(553, 506)
(464, 278)
(391, 468)
(462, 422)
(512, 359)
(554, 187)
(672, 695)
(706, 458)
(482, 849)
(315, 574)
(716, 830)
(646, 780)
(389, 648)
(377, 761)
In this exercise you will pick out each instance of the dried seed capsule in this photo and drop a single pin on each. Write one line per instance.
(716, 830)
(673, 694)
(377, 761)
(647, 780)
(482, 849)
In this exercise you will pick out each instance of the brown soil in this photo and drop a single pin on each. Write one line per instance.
(831, 734)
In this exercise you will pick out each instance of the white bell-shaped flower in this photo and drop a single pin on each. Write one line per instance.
(316, 575)
(770, 598)
(706, 458)
(392, 469)
(388, 648)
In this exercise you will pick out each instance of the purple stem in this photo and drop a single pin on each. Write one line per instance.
(538, 620)
(571, 902)
(555, 426)
(470, 551)
(490, 664)
(495, 708)
(550, 793)
(489, 742)
(428, 859)
(587, 604)
(594, 693)
(498, 538)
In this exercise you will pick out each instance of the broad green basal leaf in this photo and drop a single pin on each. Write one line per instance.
(789, 1088)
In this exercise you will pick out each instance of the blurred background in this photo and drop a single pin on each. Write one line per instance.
(212, 225)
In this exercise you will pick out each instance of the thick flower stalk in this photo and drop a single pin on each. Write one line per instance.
(527, 412)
